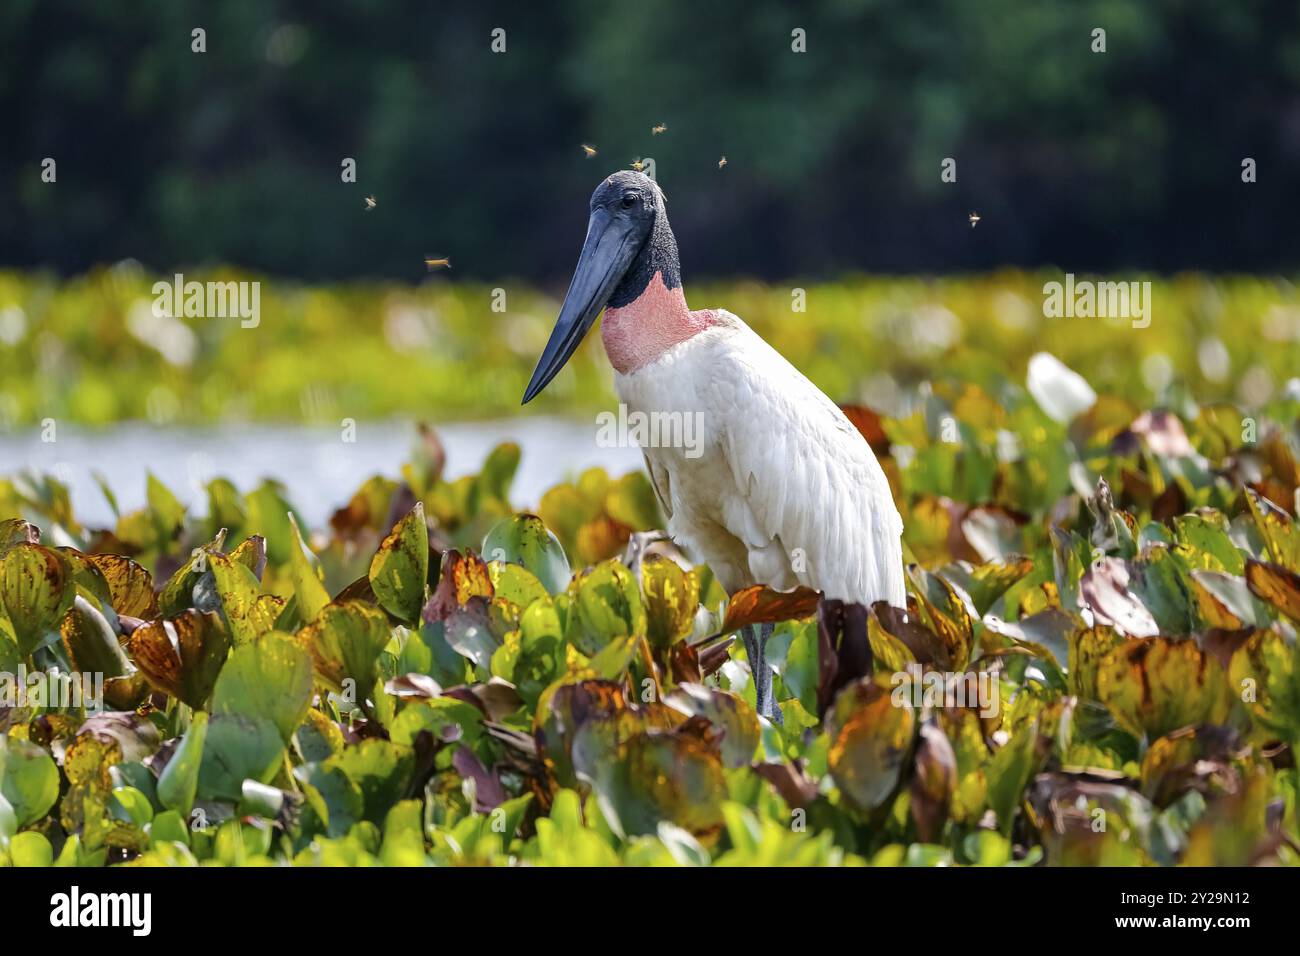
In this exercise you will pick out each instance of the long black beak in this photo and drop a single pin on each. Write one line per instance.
(612, 243)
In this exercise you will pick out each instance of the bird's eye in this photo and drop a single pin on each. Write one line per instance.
(629, 200)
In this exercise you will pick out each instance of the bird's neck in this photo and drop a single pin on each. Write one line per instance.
(639, 332)
(648, 314)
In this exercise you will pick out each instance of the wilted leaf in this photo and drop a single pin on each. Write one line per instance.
(1157, 685)
(729, 713)
(515, 583)
(652, 776)
(1088, 647)
(34, 592)
(1278, 529)
(1105, 589)
(462, 577)
(345, 641)
(17, 531)
(247, 615)
(182, 657)
(934, 781)
(946, 613)
(468, 632)
(1276, 585)
(130, 585)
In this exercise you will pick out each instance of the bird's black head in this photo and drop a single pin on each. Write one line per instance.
(637, 197)
(628, 241)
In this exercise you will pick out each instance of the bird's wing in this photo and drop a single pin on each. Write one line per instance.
(660, 481)
(811, 492)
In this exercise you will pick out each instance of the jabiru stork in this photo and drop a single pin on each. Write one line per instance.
(780, 489)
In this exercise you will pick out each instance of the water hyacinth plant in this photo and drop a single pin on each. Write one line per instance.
(436, 678)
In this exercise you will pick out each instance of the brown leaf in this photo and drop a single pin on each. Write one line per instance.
(795, 787)
(129, 585)
(870, 426)
(1192, 758)
(934, 781)
(1276, 585)
(463, 577)
(843, 649)
(182, 656)
(758, 604)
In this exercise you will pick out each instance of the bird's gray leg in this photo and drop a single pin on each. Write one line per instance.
(771, 712)
(755, 650)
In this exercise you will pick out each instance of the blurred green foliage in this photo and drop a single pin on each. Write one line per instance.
(91, 350)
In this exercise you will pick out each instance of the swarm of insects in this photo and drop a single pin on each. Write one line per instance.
(589, 150)
(370, 203)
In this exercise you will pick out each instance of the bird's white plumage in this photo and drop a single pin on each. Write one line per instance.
(784, 490)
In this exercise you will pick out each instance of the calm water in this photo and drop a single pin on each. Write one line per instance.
(319, 469)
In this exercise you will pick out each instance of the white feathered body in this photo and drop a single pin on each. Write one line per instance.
(784, 490)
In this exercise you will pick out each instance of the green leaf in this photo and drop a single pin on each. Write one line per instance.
(515, 583)
(237, 747)
(178, 593)
(268, 678)
(180, 778)
(345, 642)
(525, 540)
(1009, 773)
(165, 511)
(381, 769)
(332, 796)
(31, 849)
(609, 605)
(631, 501)
(131, 806)
(90, 642)
(29, 779)
(307, 585)
(498, 473)
(401, 566)
(247, 614)
(169, 827)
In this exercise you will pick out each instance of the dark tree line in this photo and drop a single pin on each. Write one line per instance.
(1082, 160)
